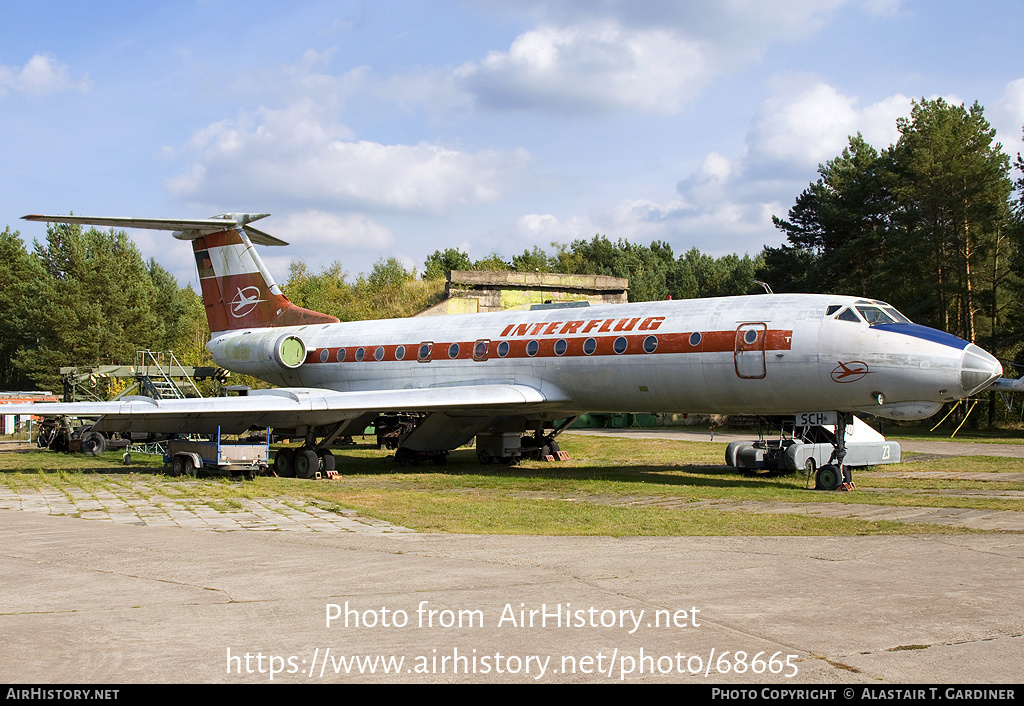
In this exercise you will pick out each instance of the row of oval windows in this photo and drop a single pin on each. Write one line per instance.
(480, 350)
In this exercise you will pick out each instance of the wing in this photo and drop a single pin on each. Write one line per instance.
(289, 408)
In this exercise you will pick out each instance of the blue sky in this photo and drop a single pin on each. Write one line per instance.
(372, 129)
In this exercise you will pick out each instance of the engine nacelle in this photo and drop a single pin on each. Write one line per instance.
(259, 353)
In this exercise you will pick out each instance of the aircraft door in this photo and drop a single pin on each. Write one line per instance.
(749, 350)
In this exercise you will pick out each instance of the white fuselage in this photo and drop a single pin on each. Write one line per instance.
(765, 354)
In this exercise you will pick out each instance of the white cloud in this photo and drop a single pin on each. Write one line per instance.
(648, 57)
(737, 226)
(801, 125)
(333, 233)
(41, 75)
(602, 67)
(299, 156)
(804, 124)
(543, 229)
(803, 129)
(1008, 117)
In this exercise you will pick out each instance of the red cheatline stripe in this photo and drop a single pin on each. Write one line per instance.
(667, 343)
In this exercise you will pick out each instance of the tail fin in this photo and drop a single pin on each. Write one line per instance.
(238, 291)
(237, 288)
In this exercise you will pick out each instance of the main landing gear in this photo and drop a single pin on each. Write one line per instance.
(310, 461)
(307, 462)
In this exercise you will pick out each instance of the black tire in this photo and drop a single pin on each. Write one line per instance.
(93, 443)
(183, 465)
(307, 463)
(327, 460)
(828, 477)
(284, 463)
(484, 458)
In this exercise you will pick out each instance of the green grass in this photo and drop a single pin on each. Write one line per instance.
(923, 432)
(587, 495)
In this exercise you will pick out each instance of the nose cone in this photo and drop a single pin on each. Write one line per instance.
(978, 369)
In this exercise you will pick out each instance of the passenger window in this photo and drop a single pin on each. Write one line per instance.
(480, 349)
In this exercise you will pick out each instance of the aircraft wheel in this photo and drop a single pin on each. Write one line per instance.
(307, 463)
(327, 461)
(829, 477)
(284, 463)
(94, 443)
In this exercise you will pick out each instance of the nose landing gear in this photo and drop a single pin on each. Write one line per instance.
(836, 476)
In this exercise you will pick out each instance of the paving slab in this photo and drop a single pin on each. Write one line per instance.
(148, 502)
(100, 602)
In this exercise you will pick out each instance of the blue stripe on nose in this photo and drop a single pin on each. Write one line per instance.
(923, 332)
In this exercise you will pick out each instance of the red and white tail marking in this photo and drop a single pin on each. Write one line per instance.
(238, 291)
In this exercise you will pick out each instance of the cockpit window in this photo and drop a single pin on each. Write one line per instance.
(900, 318)
(874, 316)
(849, 315)
(873, 312)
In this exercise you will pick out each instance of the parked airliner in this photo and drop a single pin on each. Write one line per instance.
(508, 378)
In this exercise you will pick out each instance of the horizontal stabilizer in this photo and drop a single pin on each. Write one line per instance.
(185, 228)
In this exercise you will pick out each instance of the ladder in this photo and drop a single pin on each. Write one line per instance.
(156, 370)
